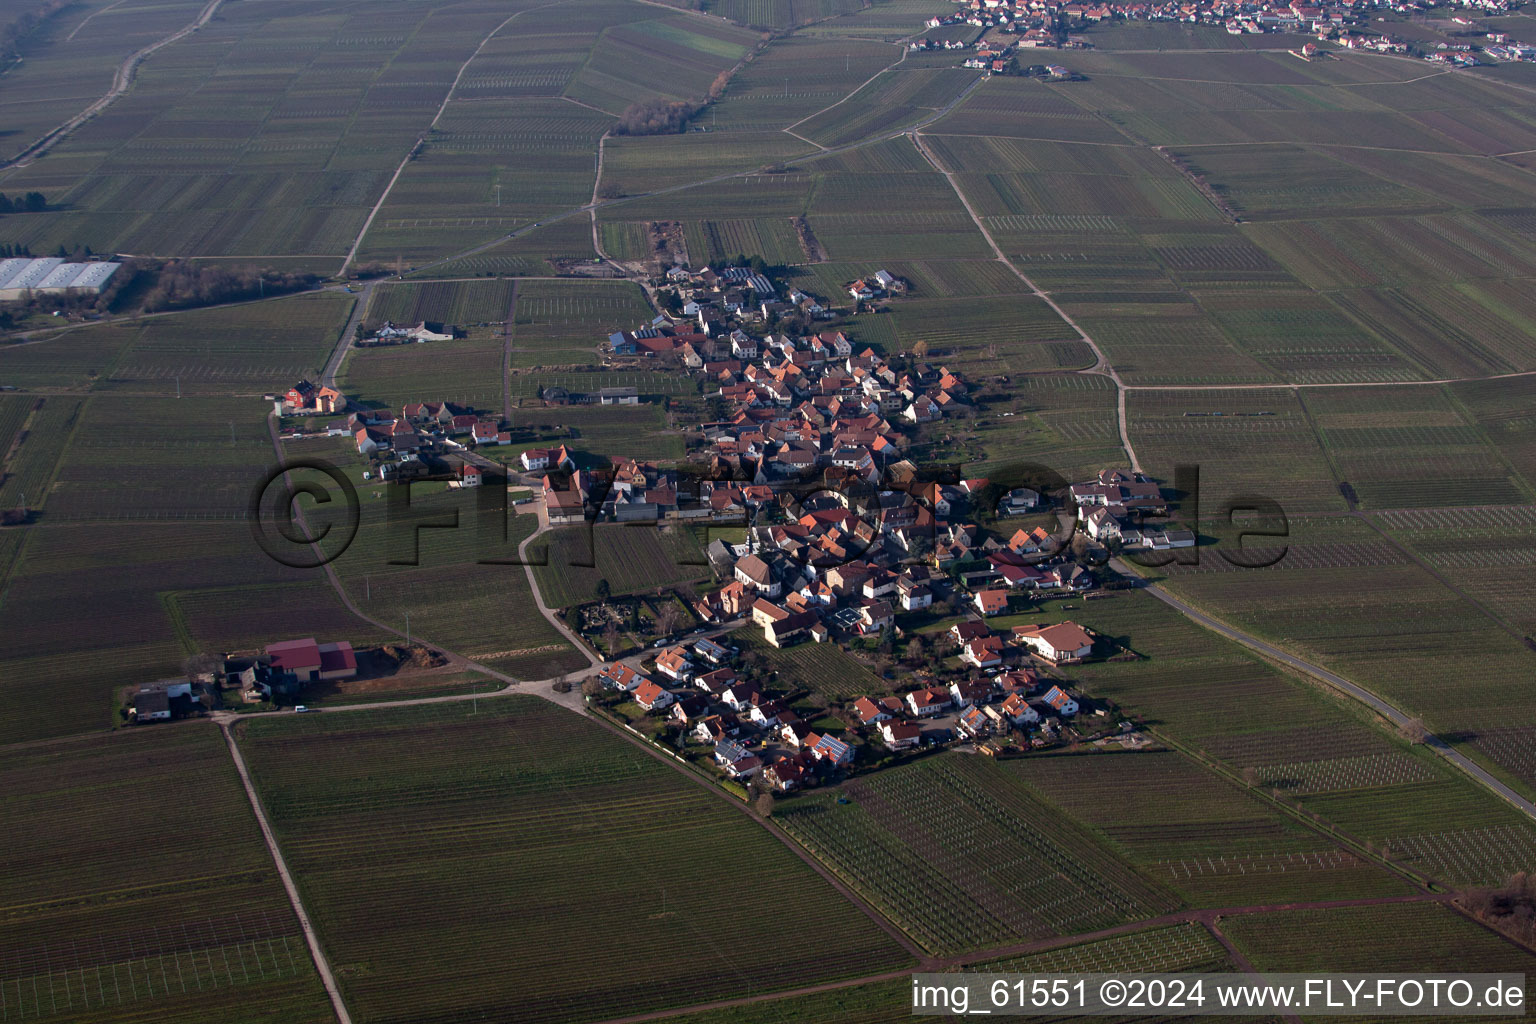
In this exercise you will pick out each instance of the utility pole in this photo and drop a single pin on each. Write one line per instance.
(178, 385)
(498, 196)
(407, 629)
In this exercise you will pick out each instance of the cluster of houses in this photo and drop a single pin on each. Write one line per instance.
(753, 732)
(286, 668)
(399, 334)
(406, 444)
(713, 306)
(1502, 48)
(1011, 24)
(801, 405)
(415, 440)
(1113, 509)
(848, 564)
(625, 491)
(979, 706)
(306, 399)
(283, 669)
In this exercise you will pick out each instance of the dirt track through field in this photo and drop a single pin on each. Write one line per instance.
(1208, 918)
(121, 80)
(311, 938)
(1101, 366)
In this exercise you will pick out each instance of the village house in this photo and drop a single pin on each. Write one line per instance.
(927, 702)
(832, 750)
(716, 728)
(793, 628)
(1019, 710)
(983, 652)
(535, 460)
(967, 692)
(973, 722)
(991, 602)
(900, 735)
(652, 697)
(675, 663)
(1061, 701)
(753, 571)
(740, 697)
(1062, 642)
(305, 399)
(871, 712)
(688, 707)
(620, 677)
(787, 773)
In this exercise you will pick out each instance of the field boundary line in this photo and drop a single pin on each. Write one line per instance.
(560, 215)
(901, 938)
(1205, 917)
(122, 79)
(1239, 959)
(1390, 712)
(89, 17)
(311, 938)
(851, 92)
(1102, 366)
(422, 138)
(1329, 384)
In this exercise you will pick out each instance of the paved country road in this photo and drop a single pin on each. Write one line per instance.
(1338, 682)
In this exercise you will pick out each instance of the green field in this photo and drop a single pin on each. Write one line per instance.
(631, 558)
(1197, 834)
(819, 669)
(503, 832)
(1426, 936)
(464, 304)
(247, 349)
(953, 849)
(114, 915)
(1311, 279)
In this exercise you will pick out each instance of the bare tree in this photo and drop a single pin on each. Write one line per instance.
(611, 637)
(917, 651)
(1250, 776)
(590, 687)
(200, 664)
(764, 804)
(1414, 731)
(669, 617)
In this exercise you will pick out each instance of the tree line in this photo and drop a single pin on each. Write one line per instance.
(13, 33)
(1511, 907)
(661, 116)
(181, 285)
(32, 202)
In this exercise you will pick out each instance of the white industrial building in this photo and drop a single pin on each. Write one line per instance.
(52, 276)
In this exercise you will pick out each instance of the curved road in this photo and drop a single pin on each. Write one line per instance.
(120, 83)
(1338, 682)
(1101, 366)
